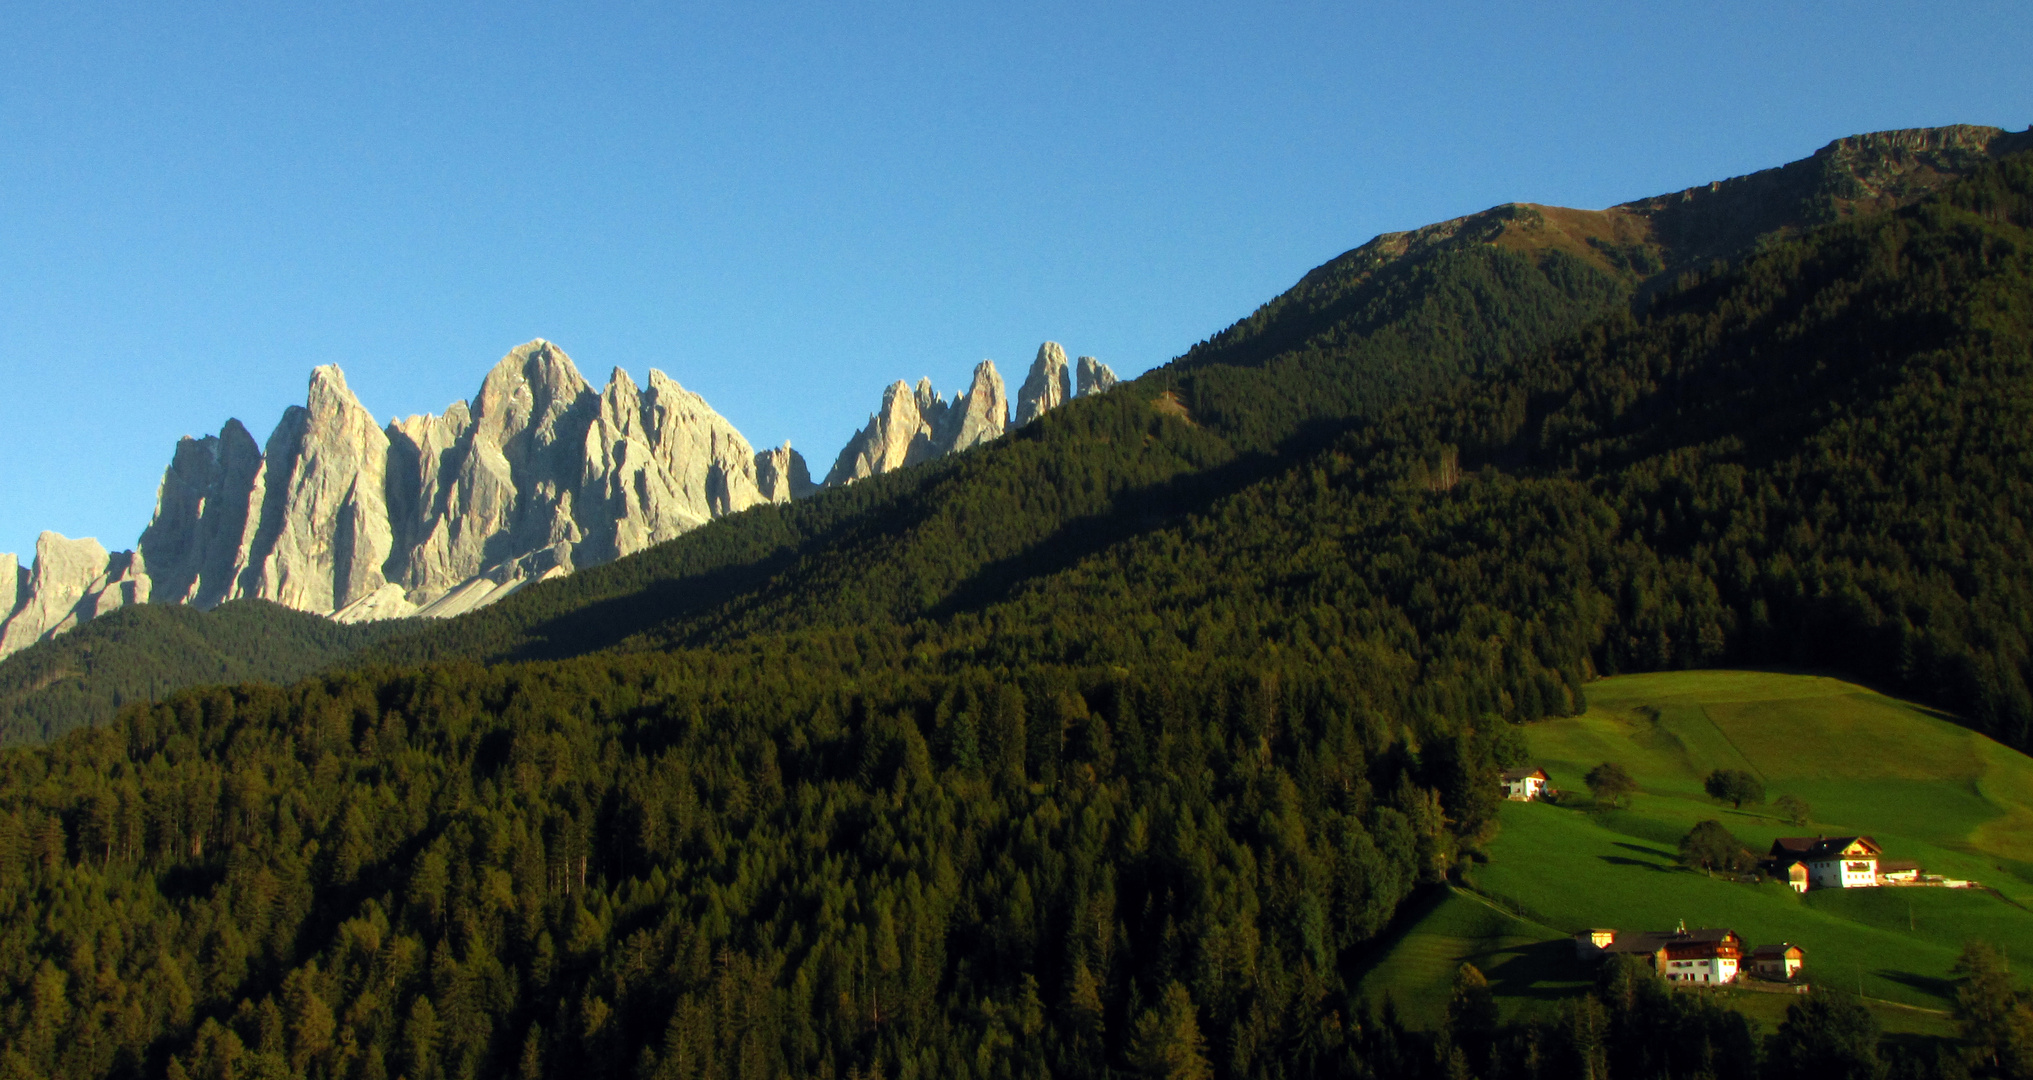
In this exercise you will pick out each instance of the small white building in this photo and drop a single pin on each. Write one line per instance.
(1524, 784)
(1779, 962)
(1704, 957)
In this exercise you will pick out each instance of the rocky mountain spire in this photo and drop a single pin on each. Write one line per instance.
(781, 475)
(440, 514)
(915, 424)
(1095, 377)
(1046, 387)
(13, 586)
(896, 436)
(72, 581)
(322, 536)
(982, 413)
(200, 516)
(431, 514)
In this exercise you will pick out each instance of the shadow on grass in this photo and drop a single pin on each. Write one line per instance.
(1624, 860)
(1358, 962)
(1544, 970)
(1926, 984)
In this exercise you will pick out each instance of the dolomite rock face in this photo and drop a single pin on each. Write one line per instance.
(322, 537)
(437, 515)
(781, 475)
(201, 514)
(72, 581)
(915, 424)
(1095, 377)
(901, 434)
(440, 514)
(982, 413)
(1047, 386)
(13, 586)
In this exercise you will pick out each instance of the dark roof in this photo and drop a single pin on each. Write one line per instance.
(1792, 848)
(1521, 773)
(1777, 950)
(1892, 866)
(1643, 942)
(1651, 941)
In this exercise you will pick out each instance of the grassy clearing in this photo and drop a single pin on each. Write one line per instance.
(1926, 788)
(1527, 964)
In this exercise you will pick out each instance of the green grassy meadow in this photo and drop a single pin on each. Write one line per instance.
(1924, 787)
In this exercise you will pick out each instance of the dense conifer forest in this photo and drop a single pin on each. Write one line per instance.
(144, 652)
(1103, 751)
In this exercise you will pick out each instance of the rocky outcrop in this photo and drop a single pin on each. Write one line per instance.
(436, 515)
(439, 514)
(903, 432)
(1095, 377)
(982, 413)
(13, 586)
(1046, 387)
(201, 513)
(781, 475)
(916, 424)
(72, 581)
(322, 538)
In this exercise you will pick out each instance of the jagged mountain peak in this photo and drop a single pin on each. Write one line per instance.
(916, 423)
(1048, 385)
(436, 514)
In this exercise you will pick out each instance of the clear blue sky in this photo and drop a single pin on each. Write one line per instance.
(786, 207)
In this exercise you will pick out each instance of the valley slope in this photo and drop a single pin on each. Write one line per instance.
(1118, 741)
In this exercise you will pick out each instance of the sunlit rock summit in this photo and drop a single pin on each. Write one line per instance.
(436, 515)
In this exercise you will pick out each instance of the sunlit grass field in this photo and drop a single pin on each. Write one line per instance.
(1924, 787)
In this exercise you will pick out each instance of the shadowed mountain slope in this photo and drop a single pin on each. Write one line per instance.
(142, 652)
(1409, 312)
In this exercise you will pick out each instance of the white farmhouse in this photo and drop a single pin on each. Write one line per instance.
(1826, 862)
(1704, 957)
(1524, 784)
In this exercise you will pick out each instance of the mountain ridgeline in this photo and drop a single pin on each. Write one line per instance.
(439, 515)
(1112, 746)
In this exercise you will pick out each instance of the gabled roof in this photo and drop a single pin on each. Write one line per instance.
(1797, 848)
(1779, 950)
(1514, 775)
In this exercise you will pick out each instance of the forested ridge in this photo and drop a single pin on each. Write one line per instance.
(1103, 751)
(143, 652)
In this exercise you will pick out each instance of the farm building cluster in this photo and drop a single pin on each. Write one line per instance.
(1704, 957)
(1845, 862)
(1804, 862)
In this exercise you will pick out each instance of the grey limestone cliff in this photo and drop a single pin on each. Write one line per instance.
(1095, 377)
(322, 538)
(781, 475)
(1046, 387)
(916, 424)
(72, 581)
(902, 432)
(438, 514)
(982, 413)
(201, 513)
